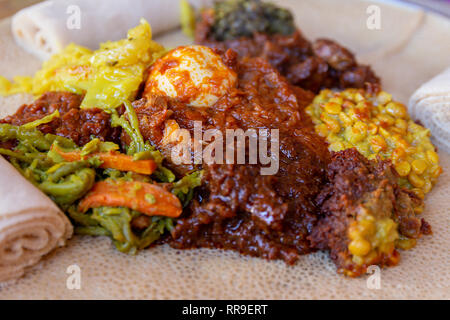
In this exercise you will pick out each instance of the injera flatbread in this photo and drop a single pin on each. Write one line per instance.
(431, 105)
(163, 273)
(31, 225)
(46, 28)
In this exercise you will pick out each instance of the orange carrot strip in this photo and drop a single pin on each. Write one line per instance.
(67, 156)
(124, 162)
(133, 195)
(113, 160)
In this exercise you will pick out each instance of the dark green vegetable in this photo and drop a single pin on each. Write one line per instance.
(67, 182)
(242, 18)
(131, 127)
(138, 148)
(184, 188)
(116, 223)
(70, 189)
(31, 138)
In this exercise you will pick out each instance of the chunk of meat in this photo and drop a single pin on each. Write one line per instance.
(335, 55)
(80, 125)
(312, 66)
(237, 207)
(364, 213)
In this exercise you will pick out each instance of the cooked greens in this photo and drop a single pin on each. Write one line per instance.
(67, 173)
(242, 18)
(116, 223)
(184, 188)
(65, 183)
(129, 122)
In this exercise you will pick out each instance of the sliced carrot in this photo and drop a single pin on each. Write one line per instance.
(147, 198)
(67, 156)
(123, 162)
(113, 160)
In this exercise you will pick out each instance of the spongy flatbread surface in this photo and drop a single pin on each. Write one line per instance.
(163, 273)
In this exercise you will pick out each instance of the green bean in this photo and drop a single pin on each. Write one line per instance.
(118, 222)
(151, 153)
(134, 121)
(33, 139)
(72, 188)
(90, 147)
(66, 169)
(18, 155)
(184, 188)
(117, 121)
(36, 123)
(26, 157)
(163, 174)
(81, 218)
(154, 231)
(8, 132)
(130, 126)
(92, 231)
(63, 142)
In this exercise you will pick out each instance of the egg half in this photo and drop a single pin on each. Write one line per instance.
(195, 75)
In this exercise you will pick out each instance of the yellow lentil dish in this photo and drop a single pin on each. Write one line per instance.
(378, 127)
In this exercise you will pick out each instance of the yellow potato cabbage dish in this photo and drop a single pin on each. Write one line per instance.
(108, 76)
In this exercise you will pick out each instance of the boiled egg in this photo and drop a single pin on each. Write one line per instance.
(195, 75)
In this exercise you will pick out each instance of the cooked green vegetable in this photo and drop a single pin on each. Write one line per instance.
(184, 188)
(131, 127)
(65, 183)
(116, 223)
(37, 123)
(70, 188)
(242, 18)
(31, 139)
(66, 173)
(138, 148)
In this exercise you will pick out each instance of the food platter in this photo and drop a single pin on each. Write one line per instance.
(404, 55)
